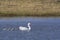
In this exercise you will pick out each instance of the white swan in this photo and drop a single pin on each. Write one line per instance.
(25, 28)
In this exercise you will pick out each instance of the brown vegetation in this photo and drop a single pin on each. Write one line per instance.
(29, 8)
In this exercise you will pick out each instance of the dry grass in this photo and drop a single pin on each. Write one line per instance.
(29, 8)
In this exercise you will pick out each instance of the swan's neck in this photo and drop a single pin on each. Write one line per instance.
(29, 27)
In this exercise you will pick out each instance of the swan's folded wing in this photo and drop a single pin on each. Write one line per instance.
(23, 28)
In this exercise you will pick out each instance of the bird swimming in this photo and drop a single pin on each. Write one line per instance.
(28, 28)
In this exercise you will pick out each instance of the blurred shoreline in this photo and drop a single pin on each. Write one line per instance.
(38, 8)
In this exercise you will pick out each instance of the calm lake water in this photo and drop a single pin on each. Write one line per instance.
(43, 28)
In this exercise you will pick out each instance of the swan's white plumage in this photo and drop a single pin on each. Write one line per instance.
(22, 28)
(25, 28)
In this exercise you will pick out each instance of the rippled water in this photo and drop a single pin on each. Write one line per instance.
(42, 28)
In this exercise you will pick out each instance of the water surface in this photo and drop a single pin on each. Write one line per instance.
(42, 28)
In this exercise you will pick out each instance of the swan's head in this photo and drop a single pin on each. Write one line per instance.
(29, 24)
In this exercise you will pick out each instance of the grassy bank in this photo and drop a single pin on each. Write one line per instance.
(29, 8)
(29, 14)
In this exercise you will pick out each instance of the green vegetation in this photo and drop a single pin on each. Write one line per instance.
(29, 8)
